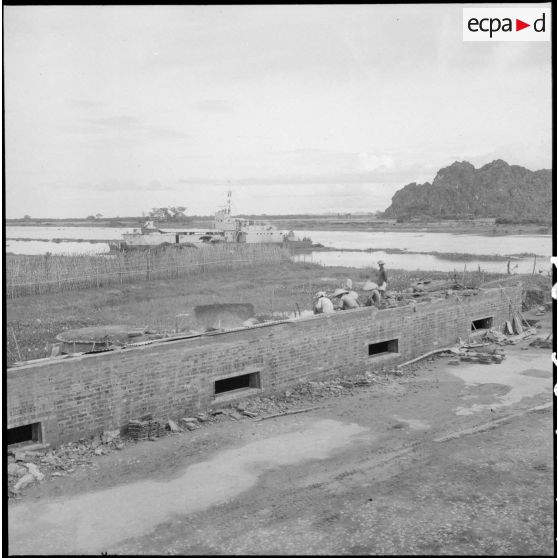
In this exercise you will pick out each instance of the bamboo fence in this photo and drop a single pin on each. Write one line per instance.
(32, 275)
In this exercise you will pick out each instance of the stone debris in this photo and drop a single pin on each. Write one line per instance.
(24, 481)
(35, 471)
(499, 338)
(109, 436)
(173, 427)
(144, 428)
(42, 464)
(541, 343)
(16, 470)
(482, 354)
(541, 311)
(190, 423)
(233, 413)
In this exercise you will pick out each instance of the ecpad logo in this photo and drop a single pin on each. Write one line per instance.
(506, 24)
(494, 24)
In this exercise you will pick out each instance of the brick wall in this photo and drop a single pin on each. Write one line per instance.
(80, 396)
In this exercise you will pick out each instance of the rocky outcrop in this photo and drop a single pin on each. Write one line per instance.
(509, 193)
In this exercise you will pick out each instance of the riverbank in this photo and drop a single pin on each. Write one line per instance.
(486, 227)
(167, 305)
(361, 223)
(452, 256)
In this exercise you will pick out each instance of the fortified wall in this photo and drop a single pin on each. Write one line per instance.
(63, 399)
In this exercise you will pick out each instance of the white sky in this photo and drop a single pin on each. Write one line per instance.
(118, 109)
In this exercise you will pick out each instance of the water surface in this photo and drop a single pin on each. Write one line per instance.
(418, 262)
(376, 241)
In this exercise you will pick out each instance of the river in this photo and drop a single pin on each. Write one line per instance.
(94, 240)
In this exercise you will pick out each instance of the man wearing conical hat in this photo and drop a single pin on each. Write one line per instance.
(346, 300)
(374, 297)
(323, 304)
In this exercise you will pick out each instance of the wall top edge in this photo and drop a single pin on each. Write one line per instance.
(207, 338)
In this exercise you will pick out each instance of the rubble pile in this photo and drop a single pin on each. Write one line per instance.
(304, 392)
(498, 338)
(427, 290)
(145, 428)
(541, 310)
(484, 354)
(26, 467)
(541, 343)
(440, 287)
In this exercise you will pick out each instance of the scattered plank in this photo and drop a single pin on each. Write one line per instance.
(289, 413)
(444, 350)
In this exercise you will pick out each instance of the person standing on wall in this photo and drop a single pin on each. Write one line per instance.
(382, 278)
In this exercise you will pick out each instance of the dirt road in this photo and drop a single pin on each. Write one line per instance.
(444, 460)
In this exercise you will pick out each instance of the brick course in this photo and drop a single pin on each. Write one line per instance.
(80, 396)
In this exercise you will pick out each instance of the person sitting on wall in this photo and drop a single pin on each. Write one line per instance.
(345, 300)
(349, 287)
(382, 278)
(374, 297)
(323, 304)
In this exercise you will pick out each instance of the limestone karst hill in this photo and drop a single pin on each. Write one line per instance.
(510, 193)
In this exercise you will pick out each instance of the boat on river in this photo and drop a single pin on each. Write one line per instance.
(149, 236)
(226, 228)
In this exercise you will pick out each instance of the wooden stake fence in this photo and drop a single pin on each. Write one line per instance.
(30, 275)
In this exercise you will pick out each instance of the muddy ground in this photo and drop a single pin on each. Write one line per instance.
(445, 459)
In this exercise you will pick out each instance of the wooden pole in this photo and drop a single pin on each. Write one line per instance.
(534, 264)
(16, 343)
(518, 312)
(435, 351)
(289, 413)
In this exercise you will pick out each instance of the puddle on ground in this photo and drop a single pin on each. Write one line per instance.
(535, 373)
(525, 376)
(97, 521)
(414, 424)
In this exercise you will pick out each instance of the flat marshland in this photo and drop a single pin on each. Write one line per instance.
(167, 305)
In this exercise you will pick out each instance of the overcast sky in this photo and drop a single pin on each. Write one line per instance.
(118, 109)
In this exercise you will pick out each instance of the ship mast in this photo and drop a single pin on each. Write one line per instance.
(229, 194)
